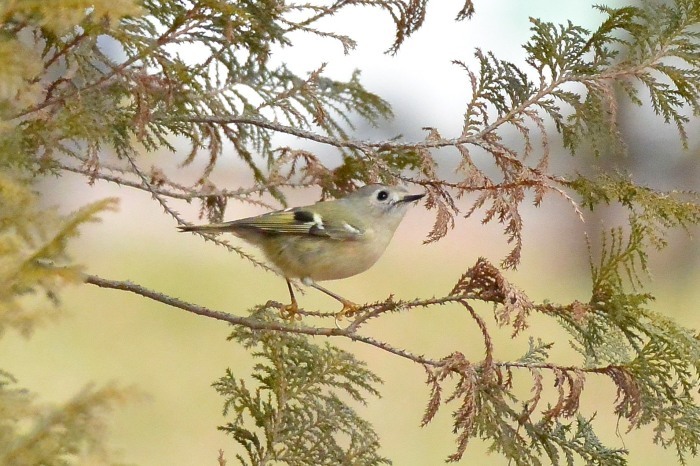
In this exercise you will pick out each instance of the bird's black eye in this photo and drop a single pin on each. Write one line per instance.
(382, 195)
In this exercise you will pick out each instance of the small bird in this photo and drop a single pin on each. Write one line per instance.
(328, 240)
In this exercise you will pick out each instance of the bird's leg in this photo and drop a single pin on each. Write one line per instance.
(349, 308)
(289, 311)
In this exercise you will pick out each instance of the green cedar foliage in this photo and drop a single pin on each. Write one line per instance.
(81, 80)
(34, 268)
(33, 262)
(298, 404)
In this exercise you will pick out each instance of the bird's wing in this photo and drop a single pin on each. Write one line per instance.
(300, 221)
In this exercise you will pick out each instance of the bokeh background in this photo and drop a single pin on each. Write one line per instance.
(173, 357)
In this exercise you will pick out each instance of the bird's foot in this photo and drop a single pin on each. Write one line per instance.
(290, 311)
(348, 311)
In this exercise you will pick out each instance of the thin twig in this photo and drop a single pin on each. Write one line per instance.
(298, 328)
(488, 343)
(180, 221)
(249, 322)
(187, 194)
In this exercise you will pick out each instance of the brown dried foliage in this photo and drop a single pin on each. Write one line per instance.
(465, 390)
(629, 400)
(486, 283)
(490, 381)
(569, 385)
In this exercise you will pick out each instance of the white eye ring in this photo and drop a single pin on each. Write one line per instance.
(382, 195)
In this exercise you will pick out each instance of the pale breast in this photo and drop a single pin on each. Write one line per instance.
(323, 259)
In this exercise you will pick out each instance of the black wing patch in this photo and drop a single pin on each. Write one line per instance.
(304, 216)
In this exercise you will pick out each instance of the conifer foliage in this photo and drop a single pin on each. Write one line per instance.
(91, 87)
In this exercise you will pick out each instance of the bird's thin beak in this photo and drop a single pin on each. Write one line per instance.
(412, 197)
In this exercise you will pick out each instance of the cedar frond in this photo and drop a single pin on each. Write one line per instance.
(486, 282)
(33, 258)
(300, 389)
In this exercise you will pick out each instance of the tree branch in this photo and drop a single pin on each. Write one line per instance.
(349, 332)
(250, 322)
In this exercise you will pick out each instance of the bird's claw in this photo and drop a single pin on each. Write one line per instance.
(290, 311)
(348, 311)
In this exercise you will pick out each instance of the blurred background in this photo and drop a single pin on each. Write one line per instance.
(174, 357)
